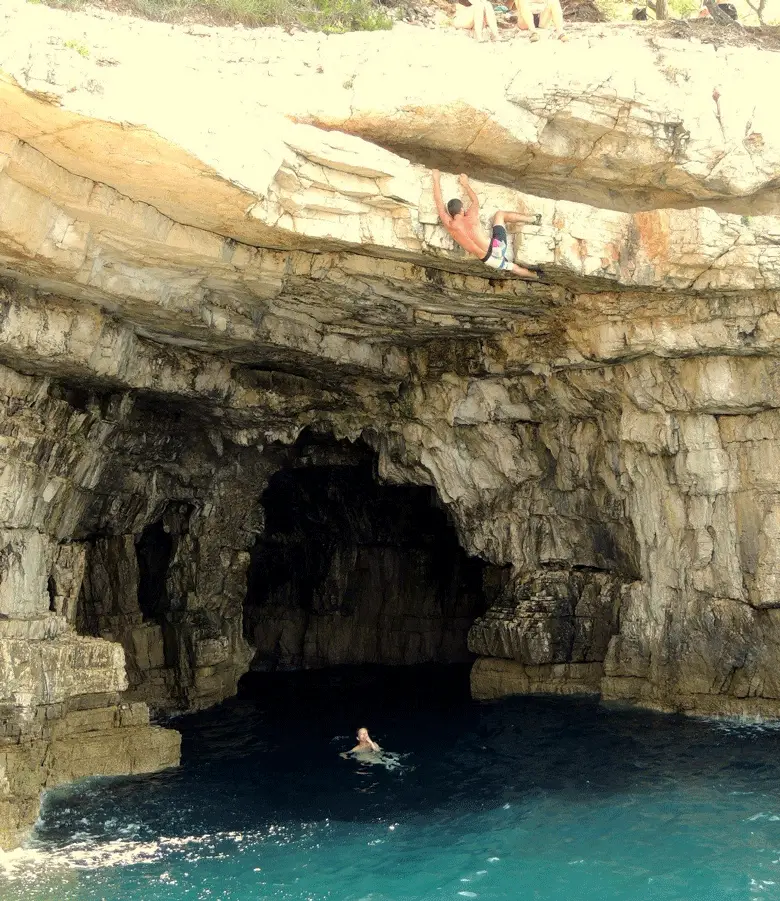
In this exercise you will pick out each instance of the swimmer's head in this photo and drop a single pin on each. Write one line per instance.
(362, 734)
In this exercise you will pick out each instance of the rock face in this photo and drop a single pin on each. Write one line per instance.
(558, 617)
(105, 740)
(200, 301)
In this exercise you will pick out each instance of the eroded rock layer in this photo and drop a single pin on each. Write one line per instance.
(204, 299)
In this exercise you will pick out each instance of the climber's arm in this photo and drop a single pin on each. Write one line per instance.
(440, 208)
(464, 181)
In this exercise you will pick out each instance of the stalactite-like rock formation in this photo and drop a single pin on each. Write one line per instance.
(221, 266)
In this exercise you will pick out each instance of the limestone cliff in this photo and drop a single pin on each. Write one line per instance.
(217, 244)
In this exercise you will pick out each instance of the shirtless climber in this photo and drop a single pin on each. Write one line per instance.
(465, 228)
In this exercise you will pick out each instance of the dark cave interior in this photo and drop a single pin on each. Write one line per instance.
(352, 571)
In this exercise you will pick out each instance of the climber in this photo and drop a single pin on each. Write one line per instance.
(476, 14)
(534, 14)
(465, 228)
(364, 742)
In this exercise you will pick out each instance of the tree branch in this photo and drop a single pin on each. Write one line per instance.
(758, 10)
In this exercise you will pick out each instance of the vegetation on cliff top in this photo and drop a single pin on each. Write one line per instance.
(333, 16)
(338, 16)
(747, 10)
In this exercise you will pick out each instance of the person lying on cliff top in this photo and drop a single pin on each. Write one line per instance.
(535, 14)
(476, 14)
(465, 228)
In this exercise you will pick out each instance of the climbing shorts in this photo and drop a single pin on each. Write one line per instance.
(496, 257)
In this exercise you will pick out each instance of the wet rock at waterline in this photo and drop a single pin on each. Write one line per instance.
(202, 301)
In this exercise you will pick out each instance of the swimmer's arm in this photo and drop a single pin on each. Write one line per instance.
(375, 746)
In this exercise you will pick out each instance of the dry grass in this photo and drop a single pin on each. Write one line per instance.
(333, 16)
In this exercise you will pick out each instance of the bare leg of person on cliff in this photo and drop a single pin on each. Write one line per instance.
(476, 15)
(479, 19)
(490, 19)
(532, 15)
(499, 222)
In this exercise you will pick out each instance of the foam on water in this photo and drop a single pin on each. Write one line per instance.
(550, 800)
(37, 868)
(85, 853)
(388, 760)
(743, 724)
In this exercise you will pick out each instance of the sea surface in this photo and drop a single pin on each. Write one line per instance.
(543, 799)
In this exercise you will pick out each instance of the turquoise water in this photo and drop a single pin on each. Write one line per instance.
(523, 799)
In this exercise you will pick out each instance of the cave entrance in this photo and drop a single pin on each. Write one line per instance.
(153, 551)
(130, 593)
(349, 571)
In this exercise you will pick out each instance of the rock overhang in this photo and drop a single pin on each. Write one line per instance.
(597, 102)
(140, 192)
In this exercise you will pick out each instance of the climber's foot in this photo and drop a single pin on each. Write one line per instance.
(533, 274)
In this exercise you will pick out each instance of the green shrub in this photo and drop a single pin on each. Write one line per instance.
(79, 46)
(338, 16)
(683, 9)
(162, 10)
(612, 10)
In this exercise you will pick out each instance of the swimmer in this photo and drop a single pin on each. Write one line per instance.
(368, 753)
(364, 742)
